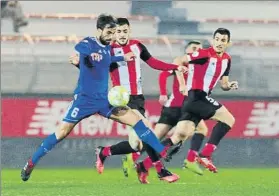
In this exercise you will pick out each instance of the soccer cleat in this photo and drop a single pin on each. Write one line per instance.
(142, 173)
(100, 159)
(27, 170)
(172, 151)
(167, 176)
(127, 164)
(193, 166)
(207, 163)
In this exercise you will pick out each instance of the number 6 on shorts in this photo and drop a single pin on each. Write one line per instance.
(75, 112)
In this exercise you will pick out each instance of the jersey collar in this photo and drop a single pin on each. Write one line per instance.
(99, 43)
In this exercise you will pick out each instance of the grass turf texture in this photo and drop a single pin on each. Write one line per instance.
(86, 182)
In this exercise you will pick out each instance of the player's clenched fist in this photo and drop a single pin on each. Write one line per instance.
(74, 59)
(182, 69)
(233, 85)
(163, 99)
(129, 56)
(183, 90)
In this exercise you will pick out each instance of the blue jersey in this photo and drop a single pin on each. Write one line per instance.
(94, 75)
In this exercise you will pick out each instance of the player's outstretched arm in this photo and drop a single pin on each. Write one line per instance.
(153, 62)
(181, 80)
(163, 76)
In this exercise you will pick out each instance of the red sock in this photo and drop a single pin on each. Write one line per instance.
(191, 155)
(158, 166)
(106, 151)
(135, 156)
(164, 152)
(208, 149)
(147, 163)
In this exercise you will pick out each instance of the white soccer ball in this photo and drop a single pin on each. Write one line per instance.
(118, 96)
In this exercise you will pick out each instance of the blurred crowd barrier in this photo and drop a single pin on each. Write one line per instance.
(33, 60)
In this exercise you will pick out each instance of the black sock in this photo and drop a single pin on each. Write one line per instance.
(121, 148)
(167, 142)
(151, 152)
(196, 141)
(219, 131)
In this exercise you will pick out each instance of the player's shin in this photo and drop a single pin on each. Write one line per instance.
(147, 136)
(120, 148)
(44, 148)
(144, 133)
(196, 143)
(152, 159)
(51, 141)
(219, 131)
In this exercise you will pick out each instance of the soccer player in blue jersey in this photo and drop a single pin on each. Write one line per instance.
(91, 94)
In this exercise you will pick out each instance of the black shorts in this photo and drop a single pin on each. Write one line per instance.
(170, 115)
(137, 102)
(199, 106)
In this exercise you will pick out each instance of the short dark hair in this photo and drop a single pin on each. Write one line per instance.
(105, 20)
(123, 21)
(223, 31)
(193, 42)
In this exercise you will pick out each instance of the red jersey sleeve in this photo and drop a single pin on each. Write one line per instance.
(163, 81)
(198, 57)
(153, 62)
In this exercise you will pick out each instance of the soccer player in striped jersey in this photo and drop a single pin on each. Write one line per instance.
(170, 116)
(207, 67)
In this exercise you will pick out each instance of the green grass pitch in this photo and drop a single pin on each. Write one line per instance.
(86, 182)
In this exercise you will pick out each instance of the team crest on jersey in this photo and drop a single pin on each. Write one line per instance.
(195, 54)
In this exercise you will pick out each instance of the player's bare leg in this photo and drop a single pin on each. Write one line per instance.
(49, 143)
(196, 142)
(128, 117)
(143, 167)
(129, 160)
(225, 121)
(162, 172)
(187, 128)
(160, 131)
(179, 136)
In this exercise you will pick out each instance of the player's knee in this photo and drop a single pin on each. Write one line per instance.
(62, 132)
(186, 125)
(202, 130)
(120, 111)
(185, 129)
(161, 130)
(183, 135)
(229, 120)
(135, 144)
(232, 120)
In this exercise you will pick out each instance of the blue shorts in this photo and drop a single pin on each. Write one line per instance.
(83, 106)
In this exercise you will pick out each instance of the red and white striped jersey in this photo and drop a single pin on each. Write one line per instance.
(128, 74)
(205, 75)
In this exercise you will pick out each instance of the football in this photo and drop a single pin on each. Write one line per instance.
(118, 96)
